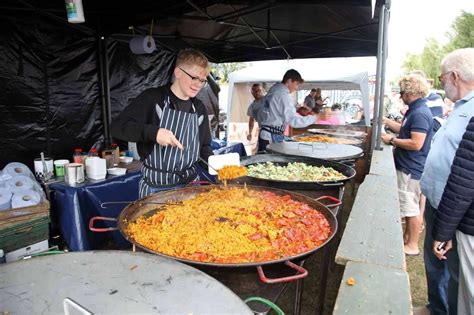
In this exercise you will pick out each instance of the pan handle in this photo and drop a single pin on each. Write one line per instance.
(302, 273)
(199, 182)
(94, 229)
(330, 184)
(336, 201)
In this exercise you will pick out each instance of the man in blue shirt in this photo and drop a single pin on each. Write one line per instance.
(411, 149)
(457, 77)
(309, 100)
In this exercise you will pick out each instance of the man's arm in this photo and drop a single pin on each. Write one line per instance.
(458, 194)
(290, 117)
(134, 123)
(205, 135)
(392, 124)
(251, 124)
(415, 143)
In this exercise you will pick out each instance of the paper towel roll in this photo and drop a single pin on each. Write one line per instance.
(25, 198)
(15, 168)
(20, 182)
(5, 199)
(142, 45)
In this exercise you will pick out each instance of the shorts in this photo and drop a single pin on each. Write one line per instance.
(409, 192)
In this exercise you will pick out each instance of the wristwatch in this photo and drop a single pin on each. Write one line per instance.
(392, 141)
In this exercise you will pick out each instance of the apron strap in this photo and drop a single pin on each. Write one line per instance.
(278, 130)
(183, 179)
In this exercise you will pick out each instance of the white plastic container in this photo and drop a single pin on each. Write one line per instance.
(126, 159)
(117, 171)
(96, 168)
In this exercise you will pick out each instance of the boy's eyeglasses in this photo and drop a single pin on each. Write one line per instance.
(202, 82)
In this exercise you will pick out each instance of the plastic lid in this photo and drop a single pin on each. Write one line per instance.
(113, 145)
(77, 150)
(93, 150)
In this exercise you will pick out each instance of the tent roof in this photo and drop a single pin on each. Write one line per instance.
(228, 31)
(332, 74)
(328, 74)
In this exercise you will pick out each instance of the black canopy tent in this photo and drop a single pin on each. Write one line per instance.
(61, 84)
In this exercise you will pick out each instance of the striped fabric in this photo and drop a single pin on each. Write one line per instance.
(170, 166)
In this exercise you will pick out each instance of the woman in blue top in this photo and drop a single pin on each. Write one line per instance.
(411, 150)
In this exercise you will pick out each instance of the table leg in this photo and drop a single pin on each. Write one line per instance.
(298, 297)
(324, 279)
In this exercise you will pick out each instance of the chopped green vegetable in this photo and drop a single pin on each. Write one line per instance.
(296, 171)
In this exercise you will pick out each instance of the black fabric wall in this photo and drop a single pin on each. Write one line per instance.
(50, 91)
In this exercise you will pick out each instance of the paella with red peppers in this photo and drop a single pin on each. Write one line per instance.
(235, 225)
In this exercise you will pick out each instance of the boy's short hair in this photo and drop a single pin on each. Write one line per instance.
(192, 57)
(293, 75)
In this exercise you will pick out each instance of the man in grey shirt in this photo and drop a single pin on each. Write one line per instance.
(257, 93)
(278, 110)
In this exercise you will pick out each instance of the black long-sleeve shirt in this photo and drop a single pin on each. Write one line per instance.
(456, 209)
(139, 121)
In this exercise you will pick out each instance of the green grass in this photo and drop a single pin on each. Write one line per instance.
(416, 272)
(415, 269)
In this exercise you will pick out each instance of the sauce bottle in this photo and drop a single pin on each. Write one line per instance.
(77, 156)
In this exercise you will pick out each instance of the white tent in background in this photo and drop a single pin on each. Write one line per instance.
(327, 74)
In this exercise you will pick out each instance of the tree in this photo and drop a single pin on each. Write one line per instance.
(223, 70)
(462, 32)
(461, 35)
(413, 61)
(428, 60)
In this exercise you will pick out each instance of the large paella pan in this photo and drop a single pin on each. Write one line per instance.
(292, 219)
(292, 184)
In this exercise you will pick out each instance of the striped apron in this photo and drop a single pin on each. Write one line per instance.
(169, 167)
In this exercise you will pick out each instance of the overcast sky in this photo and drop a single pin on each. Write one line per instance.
(413, 21)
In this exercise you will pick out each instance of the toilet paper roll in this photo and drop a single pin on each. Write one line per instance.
(25, 198)
(5, 199)
(19, 183)
(142, 45)
(15, 168)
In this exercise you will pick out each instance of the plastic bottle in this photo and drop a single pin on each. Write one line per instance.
(93, 152)
(77, 156)
(116, 153)
(71, 9)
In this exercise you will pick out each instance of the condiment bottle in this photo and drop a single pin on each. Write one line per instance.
(116, 153)
(93, 152)
(77, 156)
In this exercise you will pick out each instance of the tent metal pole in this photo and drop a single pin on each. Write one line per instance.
(108, 137)
(47, 109)
(104, 88)
(382, 84)
(378, 87)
